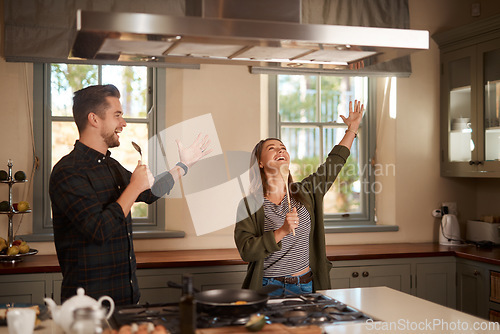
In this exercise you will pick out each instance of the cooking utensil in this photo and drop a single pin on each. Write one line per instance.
(284, 171)
(138, 149)
(233, 302)
(230, 302)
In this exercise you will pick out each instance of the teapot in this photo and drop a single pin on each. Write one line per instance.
(63, 315)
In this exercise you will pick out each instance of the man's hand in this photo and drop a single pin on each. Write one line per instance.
(141, 178)
(198, 149)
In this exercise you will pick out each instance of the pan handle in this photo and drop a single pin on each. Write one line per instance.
(175, 285)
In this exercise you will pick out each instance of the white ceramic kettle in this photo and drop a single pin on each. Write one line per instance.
(63, 315)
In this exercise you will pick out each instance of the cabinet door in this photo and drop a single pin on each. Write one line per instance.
(472, 291)
(56, 281)
(436, 282)
(219, 280)
(345, 277)
(154, 288)
(458, 121)
(489, 104)
(23, 292)
(393, 276)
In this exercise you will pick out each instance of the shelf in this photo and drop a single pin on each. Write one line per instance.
(11, 213)
(13, 181)
(14, 212)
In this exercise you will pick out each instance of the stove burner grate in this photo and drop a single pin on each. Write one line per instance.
(310, 309)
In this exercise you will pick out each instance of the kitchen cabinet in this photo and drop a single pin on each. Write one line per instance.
(494, 312)
(435, 280)
(353, 274)
(470, 96)
(27, 288)
(153, 283)
(472, 288)
(430, 278)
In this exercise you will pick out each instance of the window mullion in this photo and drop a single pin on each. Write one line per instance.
(99, 74)
(318, 118)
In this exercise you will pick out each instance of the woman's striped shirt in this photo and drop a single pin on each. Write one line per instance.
(294, 254)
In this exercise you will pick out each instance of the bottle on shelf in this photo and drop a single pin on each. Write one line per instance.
(187, 306)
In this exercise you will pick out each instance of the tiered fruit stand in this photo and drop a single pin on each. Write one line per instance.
(11, 213)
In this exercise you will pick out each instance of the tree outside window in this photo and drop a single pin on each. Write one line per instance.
(309, 125)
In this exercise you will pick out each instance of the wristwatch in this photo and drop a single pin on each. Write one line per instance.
(183, 166)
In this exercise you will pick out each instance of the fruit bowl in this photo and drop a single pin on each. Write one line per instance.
(15, 258)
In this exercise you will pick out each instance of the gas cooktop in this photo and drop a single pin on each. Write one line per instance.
(300, 310)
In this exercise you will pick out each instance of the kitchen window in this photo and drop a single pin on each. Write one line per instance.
(56, 132)
(307, 120)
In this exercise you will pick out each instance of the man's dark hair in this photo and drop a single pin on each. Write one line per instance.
(92, 99)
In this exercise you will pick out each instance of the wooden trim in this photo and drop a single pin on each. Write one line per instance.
(495, 287)
(494, 316)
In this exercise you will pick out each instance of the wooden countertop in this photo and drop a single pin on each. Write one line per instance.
(219, 257)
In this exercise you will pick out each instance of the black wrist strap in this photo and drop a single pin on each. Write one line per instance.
(183, 166)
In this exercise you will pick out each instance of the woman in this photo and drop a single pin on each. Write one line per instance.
(283, 247)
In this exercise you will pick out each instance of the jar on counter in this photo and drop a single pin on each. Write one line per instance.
(89, 320)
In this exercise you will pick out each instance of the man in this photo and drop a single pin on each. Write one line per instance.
(92, 195)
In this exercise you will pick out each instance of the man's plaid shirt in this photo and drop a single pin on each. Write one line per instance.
(93, 237)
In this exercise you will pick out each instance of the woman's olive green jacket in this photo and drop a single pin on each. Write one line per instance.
(255, 245)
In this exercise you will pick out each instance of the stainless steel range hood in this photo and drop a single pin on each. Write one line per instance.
(163, 39)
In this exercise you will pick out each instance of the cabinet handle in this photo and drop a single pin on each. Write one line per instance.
(355, 274)
(476, 272)
(476, 162)
(366, 274)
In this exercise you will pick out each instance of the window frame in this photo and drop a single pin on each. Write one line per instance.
(154, 225)
(367, 145)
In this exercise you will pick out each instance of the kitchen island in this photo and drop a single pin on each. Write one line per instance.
(399, 312)
(393, 311)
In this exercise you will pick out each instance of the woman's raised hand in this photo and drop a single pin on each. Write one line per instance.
(355, 115)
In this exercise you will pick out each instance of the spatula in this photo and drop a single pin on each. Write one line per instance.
(284, 171)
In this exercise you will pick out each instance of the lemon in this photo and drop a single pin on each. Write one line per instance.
(256, 323)
(23, 206)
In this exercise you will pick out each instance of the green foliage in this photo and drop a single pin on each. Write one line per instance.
(304, 167)
(74, 76)
(343, 184)
(139, 210)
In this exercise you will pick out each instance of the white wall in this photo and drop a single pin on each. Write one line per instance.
(236, 100)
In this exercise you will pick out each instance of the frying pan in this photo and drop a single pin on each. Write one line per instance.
(233, 302)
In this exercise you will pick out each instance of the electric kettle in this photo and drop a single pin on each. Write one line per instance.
(449, 230)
